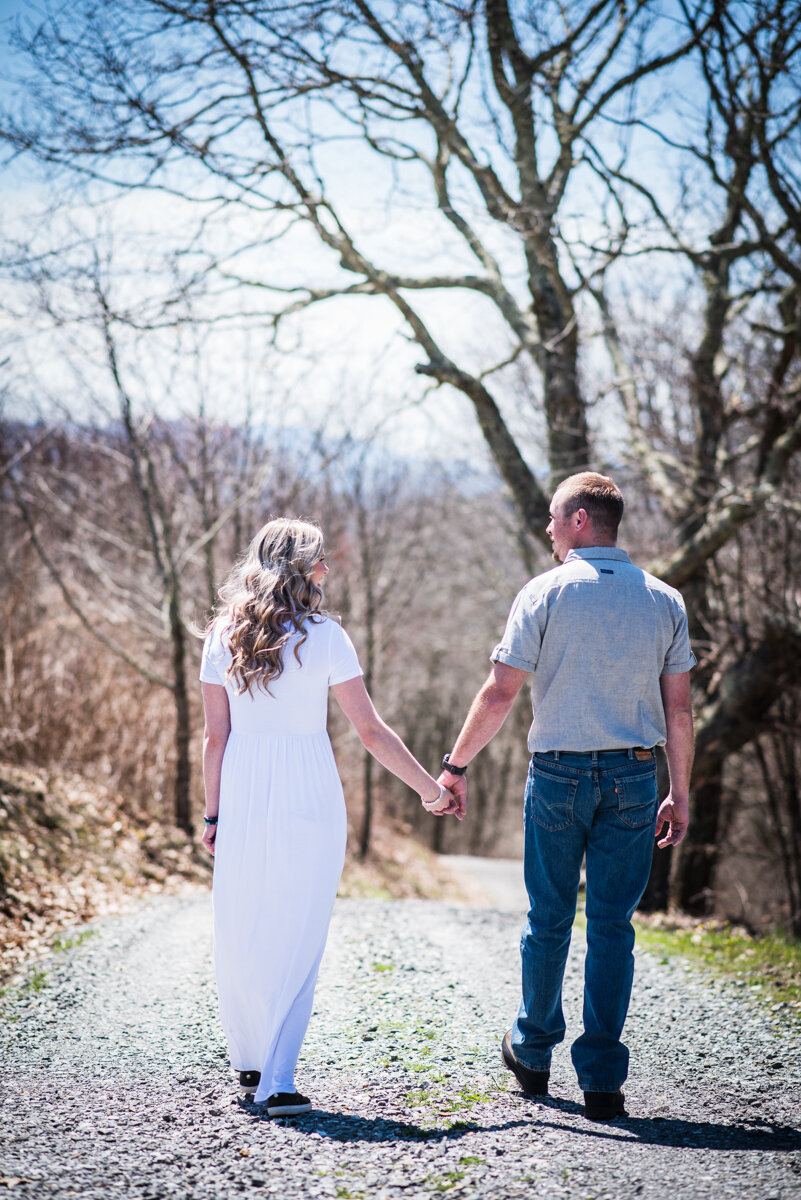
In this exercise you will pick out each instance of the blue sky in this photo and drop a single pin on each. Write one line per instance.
(345, 350)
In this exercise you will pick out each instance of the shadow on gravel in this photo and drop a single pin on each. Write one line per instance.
(345, 1127)
(670, 1131)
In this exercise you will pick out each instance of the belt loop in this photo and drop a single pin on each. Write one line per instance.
(595, 756)
(630, 752)
(556, 755)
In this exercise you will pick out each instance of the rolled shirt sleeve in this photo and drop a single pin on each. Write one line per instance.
(520, 645)
(679, 657)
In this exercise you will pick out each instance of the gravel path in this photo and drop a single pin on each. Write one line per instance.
(115, 1080)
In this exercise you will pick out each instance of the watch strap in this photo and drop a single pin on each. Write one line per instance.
(446, 766)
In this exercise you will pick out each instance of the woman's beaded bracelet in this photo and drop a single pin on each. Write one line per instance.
(209, 820)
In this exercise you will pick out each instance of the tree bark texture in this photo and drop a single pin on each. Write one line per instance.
(736, 712)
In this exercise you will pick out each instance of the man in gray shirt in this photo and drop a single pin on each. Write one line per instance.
(611, 657)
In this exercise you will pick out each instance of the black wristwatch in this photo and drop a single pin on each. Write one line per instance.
(447, 766)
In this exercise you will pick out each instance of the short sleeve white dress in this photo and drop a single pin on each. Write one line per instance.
(279, 850)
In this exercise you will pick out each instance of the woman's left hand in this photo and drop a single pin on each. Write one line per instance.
(208, 837)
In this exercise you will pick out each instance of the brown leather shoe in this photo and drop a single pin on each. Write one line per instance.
(604, 1106)
(533, 1083)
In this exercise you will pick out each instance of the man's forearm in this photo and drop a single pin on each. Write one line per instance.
(680, 741)
(679, 751)
(487, 714)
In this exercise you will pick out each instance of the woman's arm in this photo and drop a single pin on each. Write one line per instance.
(384, 744)
(215, 738)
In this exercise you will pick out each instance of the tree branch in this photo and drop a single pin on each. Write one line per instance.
(738, 709)
(72, 603)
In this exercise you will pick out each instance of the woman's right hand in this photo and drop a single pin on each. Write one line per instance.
(448, 803)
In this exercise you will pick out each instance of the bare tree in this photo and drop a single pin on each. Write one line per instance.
(122, 505)
(508, 127)
(743, 411)
(411, 94)
(383, 550)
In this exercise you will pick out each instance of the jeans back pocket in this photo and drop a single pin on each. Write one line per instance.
(551, 798)
(637, 798)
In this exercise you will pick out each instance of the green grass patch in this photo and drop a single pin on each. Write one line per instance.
(440, 1100)
(63, 942)
(433, 1074)
(767, 967)
(35, 981)
(466, 1097)
(383, 966)
(445, 1182)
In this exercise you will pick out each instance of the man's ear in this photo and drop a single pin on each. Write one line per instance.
(581, 517)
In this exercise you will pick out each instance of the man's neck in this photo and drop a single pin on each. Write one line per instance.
(594, 543)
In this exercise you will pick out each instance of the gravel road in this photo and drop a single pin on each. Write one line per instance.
(115, 1080)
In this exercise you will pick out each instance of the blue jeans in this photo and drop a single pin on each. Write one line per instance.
(602, 805)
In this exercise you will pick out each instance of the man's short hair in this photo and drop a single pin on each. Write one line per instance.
(598, 495)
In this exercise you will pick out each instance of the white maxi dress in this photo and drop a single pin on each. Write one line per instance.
(279, 849)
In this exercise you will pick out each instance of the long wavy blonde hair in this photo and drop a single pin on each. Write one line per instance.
(270, 587)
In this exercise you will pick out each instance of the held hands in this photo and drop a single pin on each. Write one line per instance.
(674, 813)
(457, 785)
(453, 799)
(443, 804)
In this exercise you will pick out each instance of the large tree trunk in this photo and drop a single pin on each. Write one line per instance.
(783, 805)
(698, 857)
(736, 712)
(694, 890)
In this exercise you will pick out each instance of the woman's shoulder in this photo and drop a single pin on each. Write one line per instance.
(326, 631)
(327, 625)
(321, 621)
(215, 644)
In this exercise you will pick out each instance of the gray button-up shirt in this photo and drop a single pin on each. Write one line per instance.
(597, 632)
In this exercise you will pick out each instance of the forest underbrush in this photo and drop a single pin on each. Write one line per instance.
(72, 850)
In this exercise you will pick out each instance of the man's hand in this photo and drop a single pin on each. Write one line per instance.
(675, 813)
(457, 784)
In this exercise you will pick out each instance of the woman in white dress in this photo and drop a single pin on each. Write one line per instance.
(275, 813)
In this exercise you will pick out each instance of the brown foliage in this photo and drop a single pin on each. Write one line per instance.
(71, 850)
